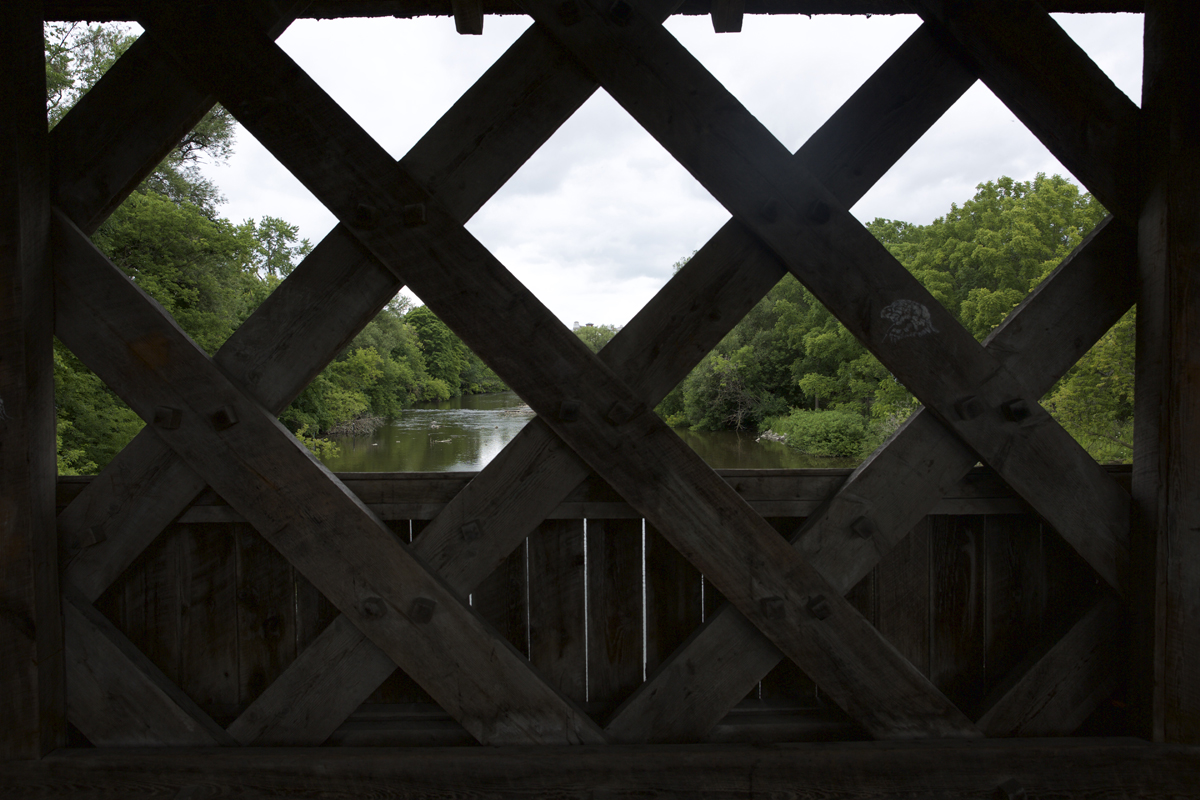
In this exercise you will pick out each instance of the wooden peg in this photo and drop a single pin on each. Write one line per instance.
(468, 16)
(727, 15)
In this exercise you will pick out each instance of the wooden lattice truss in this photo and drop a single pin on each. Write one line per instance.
(213, 420)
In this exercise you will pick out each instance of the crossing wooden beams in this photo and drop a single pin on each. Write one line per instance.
(1167, 601)
(31, 677)
(402, 224)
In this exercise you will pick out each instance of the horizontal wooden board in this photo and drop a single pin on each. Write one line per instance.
(782, 493)
(110, 10)
(1081, 769)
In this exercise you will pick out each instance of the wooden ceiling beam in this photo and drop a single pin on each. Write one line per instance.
(326, 532)
(112, 10)
(516, 491)
(473, 294)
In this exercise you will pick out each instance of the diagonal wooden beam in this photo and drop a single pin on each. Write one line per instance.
(121, 128)
(697, 307)
(116, 696)
(624, 441)
(892, 490)
(881, 303)
(322, 528)
(1051, 84)
(1054, 695)
(465, 157)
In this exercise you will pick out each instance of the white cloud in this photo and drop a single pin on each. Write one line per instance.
(593, 222)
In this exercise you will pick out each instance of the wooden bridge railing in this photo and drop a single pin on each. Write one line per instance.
(597, 600)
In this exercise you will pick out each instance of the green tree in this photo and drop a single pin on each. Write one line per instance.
(446, 357)
(595, 336)
(167, 237)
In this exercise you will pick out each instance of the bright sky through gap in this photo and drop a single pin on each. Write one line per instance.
(594, 221)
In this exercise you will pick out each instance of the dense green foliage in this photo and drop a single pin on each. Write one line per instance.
(211, 274)
(790, 362)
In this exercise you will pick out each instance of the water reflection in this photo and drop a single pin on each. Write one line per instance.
(465, 433)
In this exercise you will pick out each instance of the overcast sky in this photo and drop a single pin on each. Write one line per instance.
(594, 221)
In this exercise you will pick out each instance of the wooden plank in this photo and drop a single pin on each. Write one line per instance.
(292, 711)
(468, 289)
(674, 602)
(1167, 601)
(209, 644)
(1087, 769)
(1051, 85)
(958, 612)
(614, 612)
(557, 635)
(116, 10)
(720, 283)
(31, 669)
(1017, 603)
(895, 487)
(903, 587)
(1052, 693)
(331, 537)
(748, 171)
(118, 697)
(468, 16)
(727, 15)
(501, 600)
(266, 614)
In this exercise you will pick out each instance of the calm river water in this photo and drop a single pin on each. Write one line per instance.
(465, 433)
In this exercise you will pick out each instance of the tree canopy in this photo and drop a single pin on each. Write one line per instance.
(789, 360)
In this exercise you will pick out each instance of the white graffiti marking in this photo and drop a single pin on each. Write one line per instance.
(909, 318)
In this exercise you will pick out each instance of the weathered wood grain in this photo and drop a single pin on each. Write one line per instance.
(1018, 613)
(1051, 85)
(1053, 693)
(467, 155)
(1079, 768)
(118, 697)
(323, 529)
(557, 639)
(266, 617)
(31, 683)
(1086, 294)
(634, 451)
(699, 305)
(206, 611)
(748, 171)
(1167, 603)
(614, 581)
(903, 588)
(958, 609)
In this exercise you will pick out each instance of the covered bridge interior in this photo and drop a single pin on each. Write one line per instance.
(216, 615)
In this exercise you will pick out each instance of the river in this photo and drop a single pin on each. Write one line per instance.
(465, 433)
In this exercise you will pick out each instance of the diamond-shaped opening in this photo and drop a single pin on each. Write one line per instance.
(594, 220)
(792, 71)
